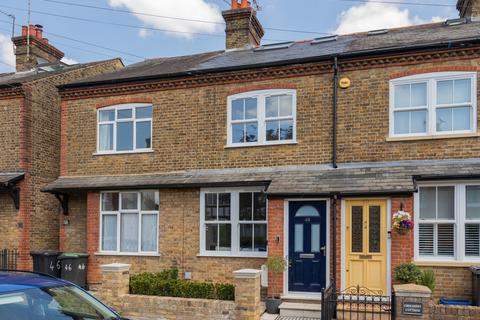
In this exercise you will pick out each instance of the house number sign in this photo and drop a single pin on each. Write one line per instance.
(412, 308)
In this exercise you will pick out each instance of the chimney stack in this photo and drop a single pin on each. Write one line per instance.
(243, 30)
(40, 50)
(469, 8)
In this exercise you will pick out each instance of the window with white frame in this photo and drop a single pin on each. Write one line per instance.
(448, 223)
(262, 117)
(129, 222)
(233, 222)
(433, 104)
(125, 128)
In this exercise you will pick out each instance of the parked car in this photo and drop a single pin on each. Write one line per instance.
(32, 296)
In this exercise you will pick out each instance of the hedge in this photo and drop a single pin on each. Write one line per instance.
(167, 284)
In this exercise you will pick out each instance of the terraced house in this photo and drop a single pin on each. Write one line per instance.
(30, 143)
(213, 162)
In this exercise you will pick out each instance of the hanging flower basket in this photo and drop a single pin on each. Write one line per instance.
(402, 222)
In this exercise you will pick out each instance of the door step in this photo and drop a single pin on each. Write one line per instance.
(300, 310)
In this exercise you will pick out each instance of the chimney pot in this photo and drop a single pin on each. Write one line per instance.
(24, 31)
(33, 31)
(242, 5)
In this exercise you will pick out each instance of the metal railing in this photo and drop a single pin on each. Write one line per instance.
(8, 259)
(356, 303)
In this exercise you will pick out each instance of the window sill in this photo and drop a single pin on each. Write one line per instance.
(126, 254)
(121, 153)
(434, 137)
(230, 146)
(214, 255)
(459, 264)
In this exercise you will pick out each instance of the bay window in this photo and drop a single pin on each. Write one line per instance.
(447, 227)
(233, 223)
(262, 117)
(433, 104)
(125, 128)
(129, 222)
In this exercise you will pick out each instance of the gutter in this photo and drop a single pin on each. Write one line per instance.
(346, 55)
(341, 194)
(60, 190)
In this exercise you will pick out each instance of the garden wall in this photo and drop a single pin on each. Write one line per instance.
(114, 291)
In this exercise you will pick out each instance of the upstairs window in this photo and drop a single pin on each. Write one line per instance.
(433, 104)
(125, 128)
(261, 118)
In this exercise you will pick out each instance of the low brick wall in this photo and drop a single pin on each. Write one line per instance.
(152, 307)
(413, 294)
(114, 291)
(442, 312)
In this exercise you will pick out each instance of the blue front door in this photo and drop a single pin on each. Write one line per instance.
(307, 246)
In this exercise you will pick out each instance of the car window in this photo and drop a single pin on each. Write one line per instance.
(55, 303)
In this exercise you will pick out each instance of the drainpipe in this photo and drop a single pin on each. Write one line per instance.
(334, 112)
(334, 236)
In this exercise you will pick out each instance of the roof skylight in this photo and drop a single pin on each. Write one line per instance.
(455, 22)
(324, 39)
(274, 46)
(377, 32)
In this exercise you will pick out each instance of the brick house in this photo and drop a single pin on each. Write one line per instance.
(216, 161)
(30, 135)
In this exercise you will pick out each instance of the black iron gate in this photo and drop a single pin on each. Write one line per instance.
(8, 259)
(356, 303)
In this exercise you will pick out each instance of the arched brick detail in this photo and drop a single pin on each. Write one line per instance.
(261, 87)
(115, 101)
(434, 69)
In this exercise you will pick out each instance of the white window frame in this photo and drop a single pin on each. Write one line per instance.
(234, 221)
(431, 80)
(118, 215)
(116, 108)
(460, 221)
(261, 96)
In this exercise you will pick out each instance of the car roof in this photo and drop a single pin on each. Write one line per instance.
(19, 280)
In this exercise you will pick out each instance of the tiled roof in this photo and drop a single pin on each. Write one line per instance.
(352, 44)
(347, 179)
(10, 177)
(13, 79)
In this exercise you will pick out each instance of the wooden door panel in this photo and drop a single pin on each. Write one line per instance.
(366, 250)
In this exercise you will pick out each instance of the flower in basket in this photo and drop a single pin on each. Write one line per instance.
(402, 222)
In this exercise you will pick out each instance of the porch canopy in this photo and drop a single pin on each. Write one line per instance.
(8, 181)
(356, 179)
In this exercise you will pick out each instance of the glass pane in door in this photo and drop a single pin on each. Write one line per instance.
(298, 237)
(374, 229)
(357, 229)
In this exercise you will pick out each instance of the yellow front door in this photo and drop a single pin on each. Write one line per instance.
(366, 247)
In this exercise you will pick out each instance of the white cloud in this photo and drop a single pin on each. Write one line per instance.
(373, 15)
(69, 61)
(6, 52)
(185, 9)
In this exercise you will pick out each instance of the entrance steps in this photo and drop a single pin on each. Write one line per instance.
(302, 309)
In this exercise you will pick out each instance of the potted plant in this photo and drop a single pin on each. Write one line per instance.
(276, 265)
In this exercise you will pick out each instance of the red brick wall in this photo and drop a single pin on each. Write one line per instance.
(338, 242)
(275, 241)
(402, 246)
(93, 235)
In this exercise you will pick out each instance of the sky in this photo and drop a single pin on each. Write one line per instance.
(140, 29)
